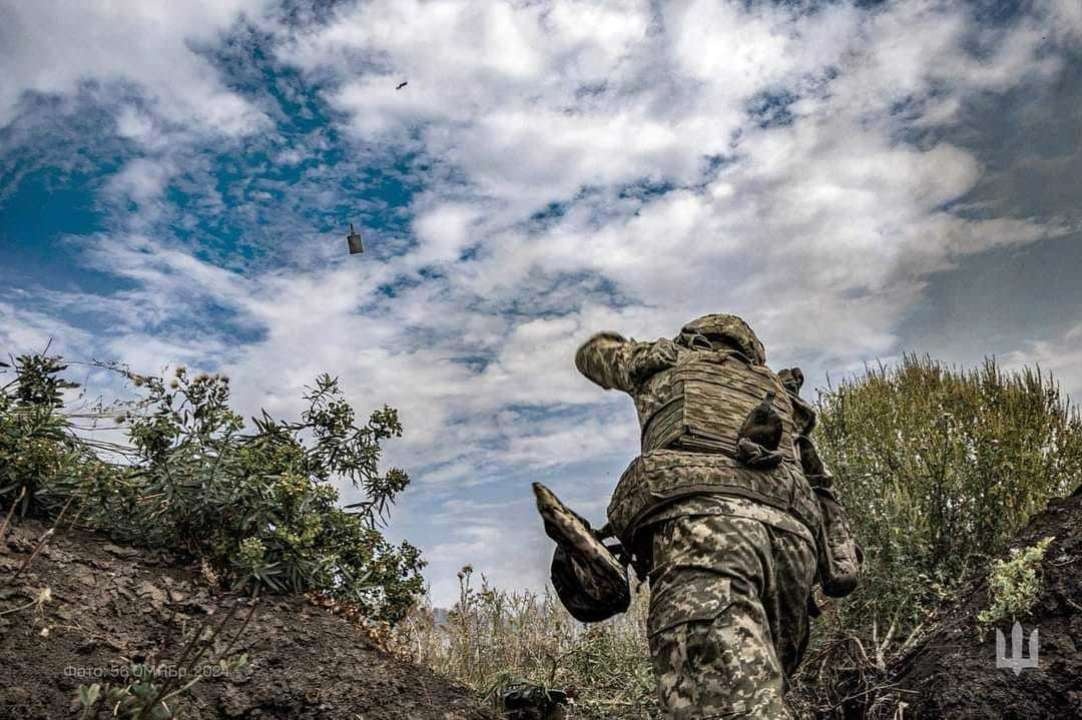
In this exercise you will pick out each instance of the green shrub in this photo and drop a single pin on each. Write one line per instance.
(256, 506)
(38, 451)
(939, 468)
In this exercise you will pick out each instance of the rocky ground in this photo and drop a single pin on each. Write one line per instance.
(84, 611)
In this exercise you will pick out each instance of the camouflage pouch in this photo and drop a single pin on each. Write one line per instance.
(840, 557)
(589, 579)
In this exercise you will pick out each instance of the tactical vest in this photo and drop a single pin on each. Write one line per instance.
(689, 443)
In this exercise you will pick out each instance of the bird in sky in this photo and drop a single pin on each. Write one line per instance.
(402, 85)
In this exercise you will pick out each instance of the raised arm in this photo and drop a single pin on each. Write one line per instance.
(615, 363)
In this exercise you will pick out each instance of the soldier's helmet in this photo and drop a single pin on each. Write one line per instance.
(590, 582)
(729, 329)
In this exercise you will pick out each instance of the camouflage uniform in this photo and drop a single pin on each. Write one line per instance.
(730, 575)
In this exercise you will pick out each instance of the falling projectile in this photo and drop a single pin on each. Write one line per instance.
(356, 245)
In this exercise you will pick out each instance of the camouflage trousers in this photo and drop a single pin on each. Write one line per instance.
(728, 618)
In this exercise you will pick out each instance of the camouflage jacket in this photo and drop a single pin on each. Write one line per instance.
(614, 362)
(618, 364)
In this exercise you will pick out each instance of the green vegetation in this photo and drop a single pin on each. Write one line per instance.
(144, 697)
(257, 507)
(154, 692)
(39, 455)
(939, 468)
(493, 639)
(1015, 583)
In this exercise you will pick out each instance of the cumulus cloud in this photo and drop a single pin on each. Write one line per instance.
(1061, 355)
(54, 48)
(831, 205)
(580, 166)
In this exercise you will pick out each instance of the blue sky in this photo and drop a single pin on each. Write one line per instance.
(857, 179)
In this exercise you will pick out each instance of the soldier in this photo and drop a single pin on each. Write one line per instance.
(719, 513)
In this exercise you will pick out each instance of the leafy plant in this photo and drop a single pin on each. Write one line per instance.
(257, 505)
(143, 697)
(1015, 583)
(38, 450)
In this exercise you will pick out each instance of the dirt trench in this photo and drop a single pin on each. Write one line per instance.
(953, 674)
(109, 607)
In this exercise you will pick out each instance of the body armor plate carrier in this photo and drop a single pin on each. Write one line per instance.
(703, 403)
(689, 443)
(659, 478)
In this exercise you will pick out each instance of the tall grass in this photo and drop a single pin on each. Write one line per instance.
(939, 468)
(494, 638)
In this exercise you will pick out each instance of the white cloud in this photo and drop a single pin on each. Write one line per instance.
(1064, 19)
(27, 331)
(444, 232)
(832, 207)
(1061, 355)
(142, 179)
(802, 185)
(54, 47)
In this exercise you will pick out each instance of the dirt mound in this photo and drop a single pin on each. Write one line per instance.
(108, 608)
(953, 673)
